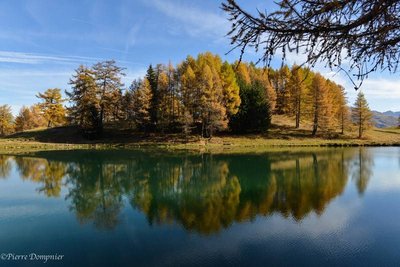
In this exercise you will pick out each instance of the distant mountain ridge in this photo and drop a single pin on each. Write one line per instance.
(392, 113)
(386, 119)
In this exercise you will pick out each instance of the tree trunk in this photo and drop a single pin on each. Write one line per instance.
(202, 128)
(315, 124)
(360, 125)
(101, 118)
(342, 122)
(298, 113)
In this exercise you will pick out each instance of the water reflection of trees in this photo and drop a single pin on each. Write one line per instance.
(293, 184)
(49, 173)
(203, 193)
(5, 166)
(362, 169)
(199, 193)
(96, 189)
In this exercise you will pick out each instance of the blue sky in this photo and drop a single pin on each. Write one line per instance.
(42, 42)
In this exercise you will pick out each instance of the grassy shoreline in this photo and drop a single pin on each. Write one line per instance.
(233, 143)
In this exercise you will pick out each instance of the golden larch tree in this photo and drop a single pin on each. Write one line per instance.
(230, 89)
(141, 104)
(321, 106)
(297, 89)
(6, 120)
(52, 107)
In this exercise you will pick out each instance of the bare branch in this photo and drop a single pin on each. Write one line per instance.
(364, 34)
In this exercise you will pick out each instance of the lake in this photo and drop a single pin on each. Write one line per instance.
(293, 207)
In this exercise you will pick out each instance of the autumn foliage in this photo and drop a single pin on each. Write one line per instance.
(201, 96)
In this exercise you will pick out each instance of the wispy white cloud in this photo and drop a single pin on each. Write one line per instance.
(382, 88)
(33, 73)
(131, 37)
(194, 21)
(35, 58)
(32, 58)
(84, 22)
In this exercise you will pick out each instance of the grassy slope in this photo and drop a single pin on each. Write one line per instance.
(281, 134)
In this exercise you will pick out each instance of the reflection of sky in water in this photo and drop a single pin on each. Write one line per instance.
(19, 199)
(387, 174)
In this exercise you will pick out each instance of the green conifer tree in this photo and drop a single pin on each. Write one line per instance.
(361, 114)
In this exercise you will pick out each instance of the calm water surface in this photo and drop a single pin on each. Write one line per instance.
(328, 207)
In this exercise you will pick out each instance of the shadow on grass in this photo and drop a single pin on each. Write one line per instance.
(388, 131)
(73, 135)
